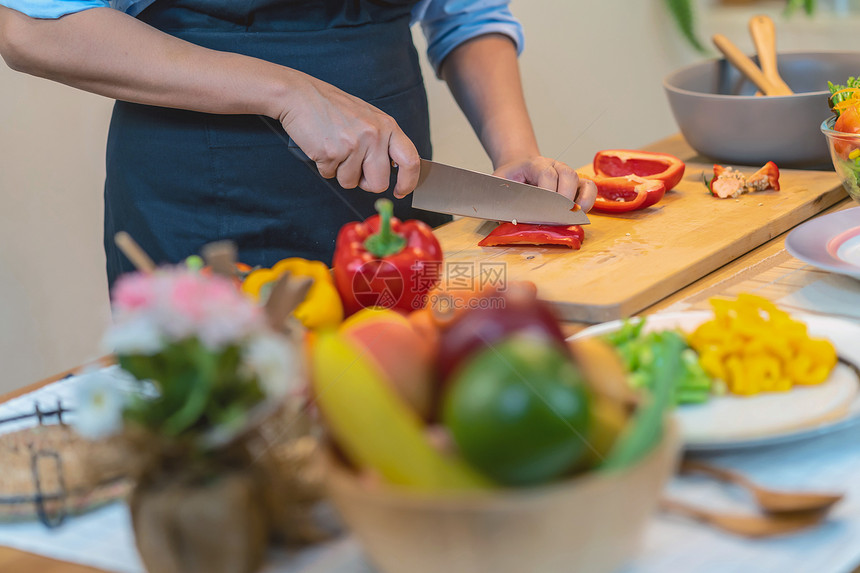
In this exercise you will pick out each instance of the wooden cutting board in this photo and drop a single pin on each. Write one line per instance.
(630, 261)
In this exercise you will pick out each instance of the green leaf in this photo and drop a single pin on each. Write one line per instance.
(793, 6)
(682, 13)
(197, 389)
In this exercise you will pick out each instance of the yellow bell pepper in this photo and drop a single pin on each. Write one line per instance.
(753, 346)
(321, 308)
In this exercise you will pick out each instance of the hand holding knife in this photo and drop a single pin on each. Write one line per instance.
(455, 191)
(445, 189)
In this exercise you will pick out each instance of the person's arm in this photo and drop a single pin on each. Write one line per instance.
(107, 52)
(483, 75)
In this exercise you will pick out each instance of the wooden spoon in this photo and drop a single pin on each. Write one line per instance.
(747, 67)
(763, 33)
(134, 252)
(769, 500)
(746, 525)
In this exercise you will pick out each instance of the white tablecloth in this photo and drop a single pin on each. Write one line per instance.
(830, 463)
(104, 538)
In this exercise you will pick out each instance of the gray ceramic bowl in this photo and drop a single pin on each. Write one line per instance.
(721, 118)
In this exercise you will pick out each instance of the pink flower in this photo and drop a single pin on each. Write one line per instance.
(182, 303)
(133, 291)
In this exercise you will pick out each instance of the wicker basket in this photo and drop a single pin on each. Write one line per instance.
(49, 472)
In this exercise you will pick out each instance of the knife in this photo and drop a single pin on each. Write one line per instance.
(445, 189)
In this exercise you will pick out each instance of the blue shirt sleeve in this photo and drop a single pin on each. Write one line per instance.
(449, 23)
(51, 9)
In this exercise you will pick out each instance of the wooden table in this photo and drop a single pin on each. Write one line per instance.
(768, 271)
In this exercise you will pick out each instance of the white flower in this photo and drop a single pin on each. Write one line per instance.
(223, 326)
(274, 362)
(98, 406)
(137, 335)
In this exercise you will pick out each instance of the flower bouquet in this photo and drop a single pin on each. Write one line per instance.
(220, 453)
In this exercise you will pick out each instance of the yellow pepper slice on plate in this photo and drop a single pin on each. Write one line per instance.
(756, 347)
(321, 308)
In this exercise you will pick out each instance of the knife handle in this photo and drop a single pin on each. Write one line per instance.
(293, 147)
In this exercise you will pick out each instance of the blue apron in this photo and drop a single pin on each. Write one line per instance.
(177, 180)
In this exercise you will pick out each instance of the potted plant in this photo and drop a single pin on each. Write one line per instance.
(683, 13)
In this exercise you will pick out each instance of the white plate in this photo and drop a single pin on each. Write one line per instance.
(830, 242)
(733, 422)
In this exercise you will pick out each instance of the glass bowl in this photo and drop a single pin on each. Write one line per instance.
(845, 153)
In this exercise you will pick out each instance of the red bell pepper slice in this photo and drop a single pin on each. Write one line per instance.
(623, 194)
(728, 182)
(768, 173)
(647, 164)
(527, 234)
(386, 262)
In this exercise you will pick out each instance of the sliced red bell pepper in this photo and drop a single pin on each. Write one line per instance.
(629, 193)
(527, 234)
(730, 183)
(386, 262)
(650, 165)
(769, 174)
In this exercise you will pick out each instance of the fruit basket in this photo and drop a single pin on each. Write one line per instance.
(535, 454)
(592, 522)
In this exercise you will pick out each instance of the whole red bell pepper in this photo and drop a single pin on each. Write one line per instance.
(528, 234)
(648, 164)
(628, 193)
(386, 262)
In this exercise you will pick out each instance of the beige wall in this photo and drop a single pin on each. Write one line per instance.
(592, 70)
(53, 294)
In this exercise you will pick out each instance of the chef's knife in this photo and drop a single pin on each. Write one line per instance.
(445, 189)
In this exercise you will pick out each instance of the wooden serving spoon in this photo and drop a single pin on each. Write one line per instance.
(746, 525)
(763, 32)
(134, 252)
(775, 502)
(747, 67)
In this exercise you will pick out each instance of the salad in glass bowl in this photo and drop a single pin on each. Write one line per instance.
(843, 133)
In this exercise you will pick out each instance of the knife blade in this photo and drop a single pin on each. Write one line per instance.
(455, 191)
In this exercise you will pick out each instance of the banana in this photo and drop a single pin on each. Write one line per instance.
(374, 427)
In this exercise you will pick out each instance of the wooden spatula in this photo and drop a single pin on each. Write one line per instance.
(747, 67)
(763, 33)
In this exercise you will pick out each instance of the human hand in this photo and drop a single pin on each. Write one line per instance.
(553, 175)
(349, 139)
